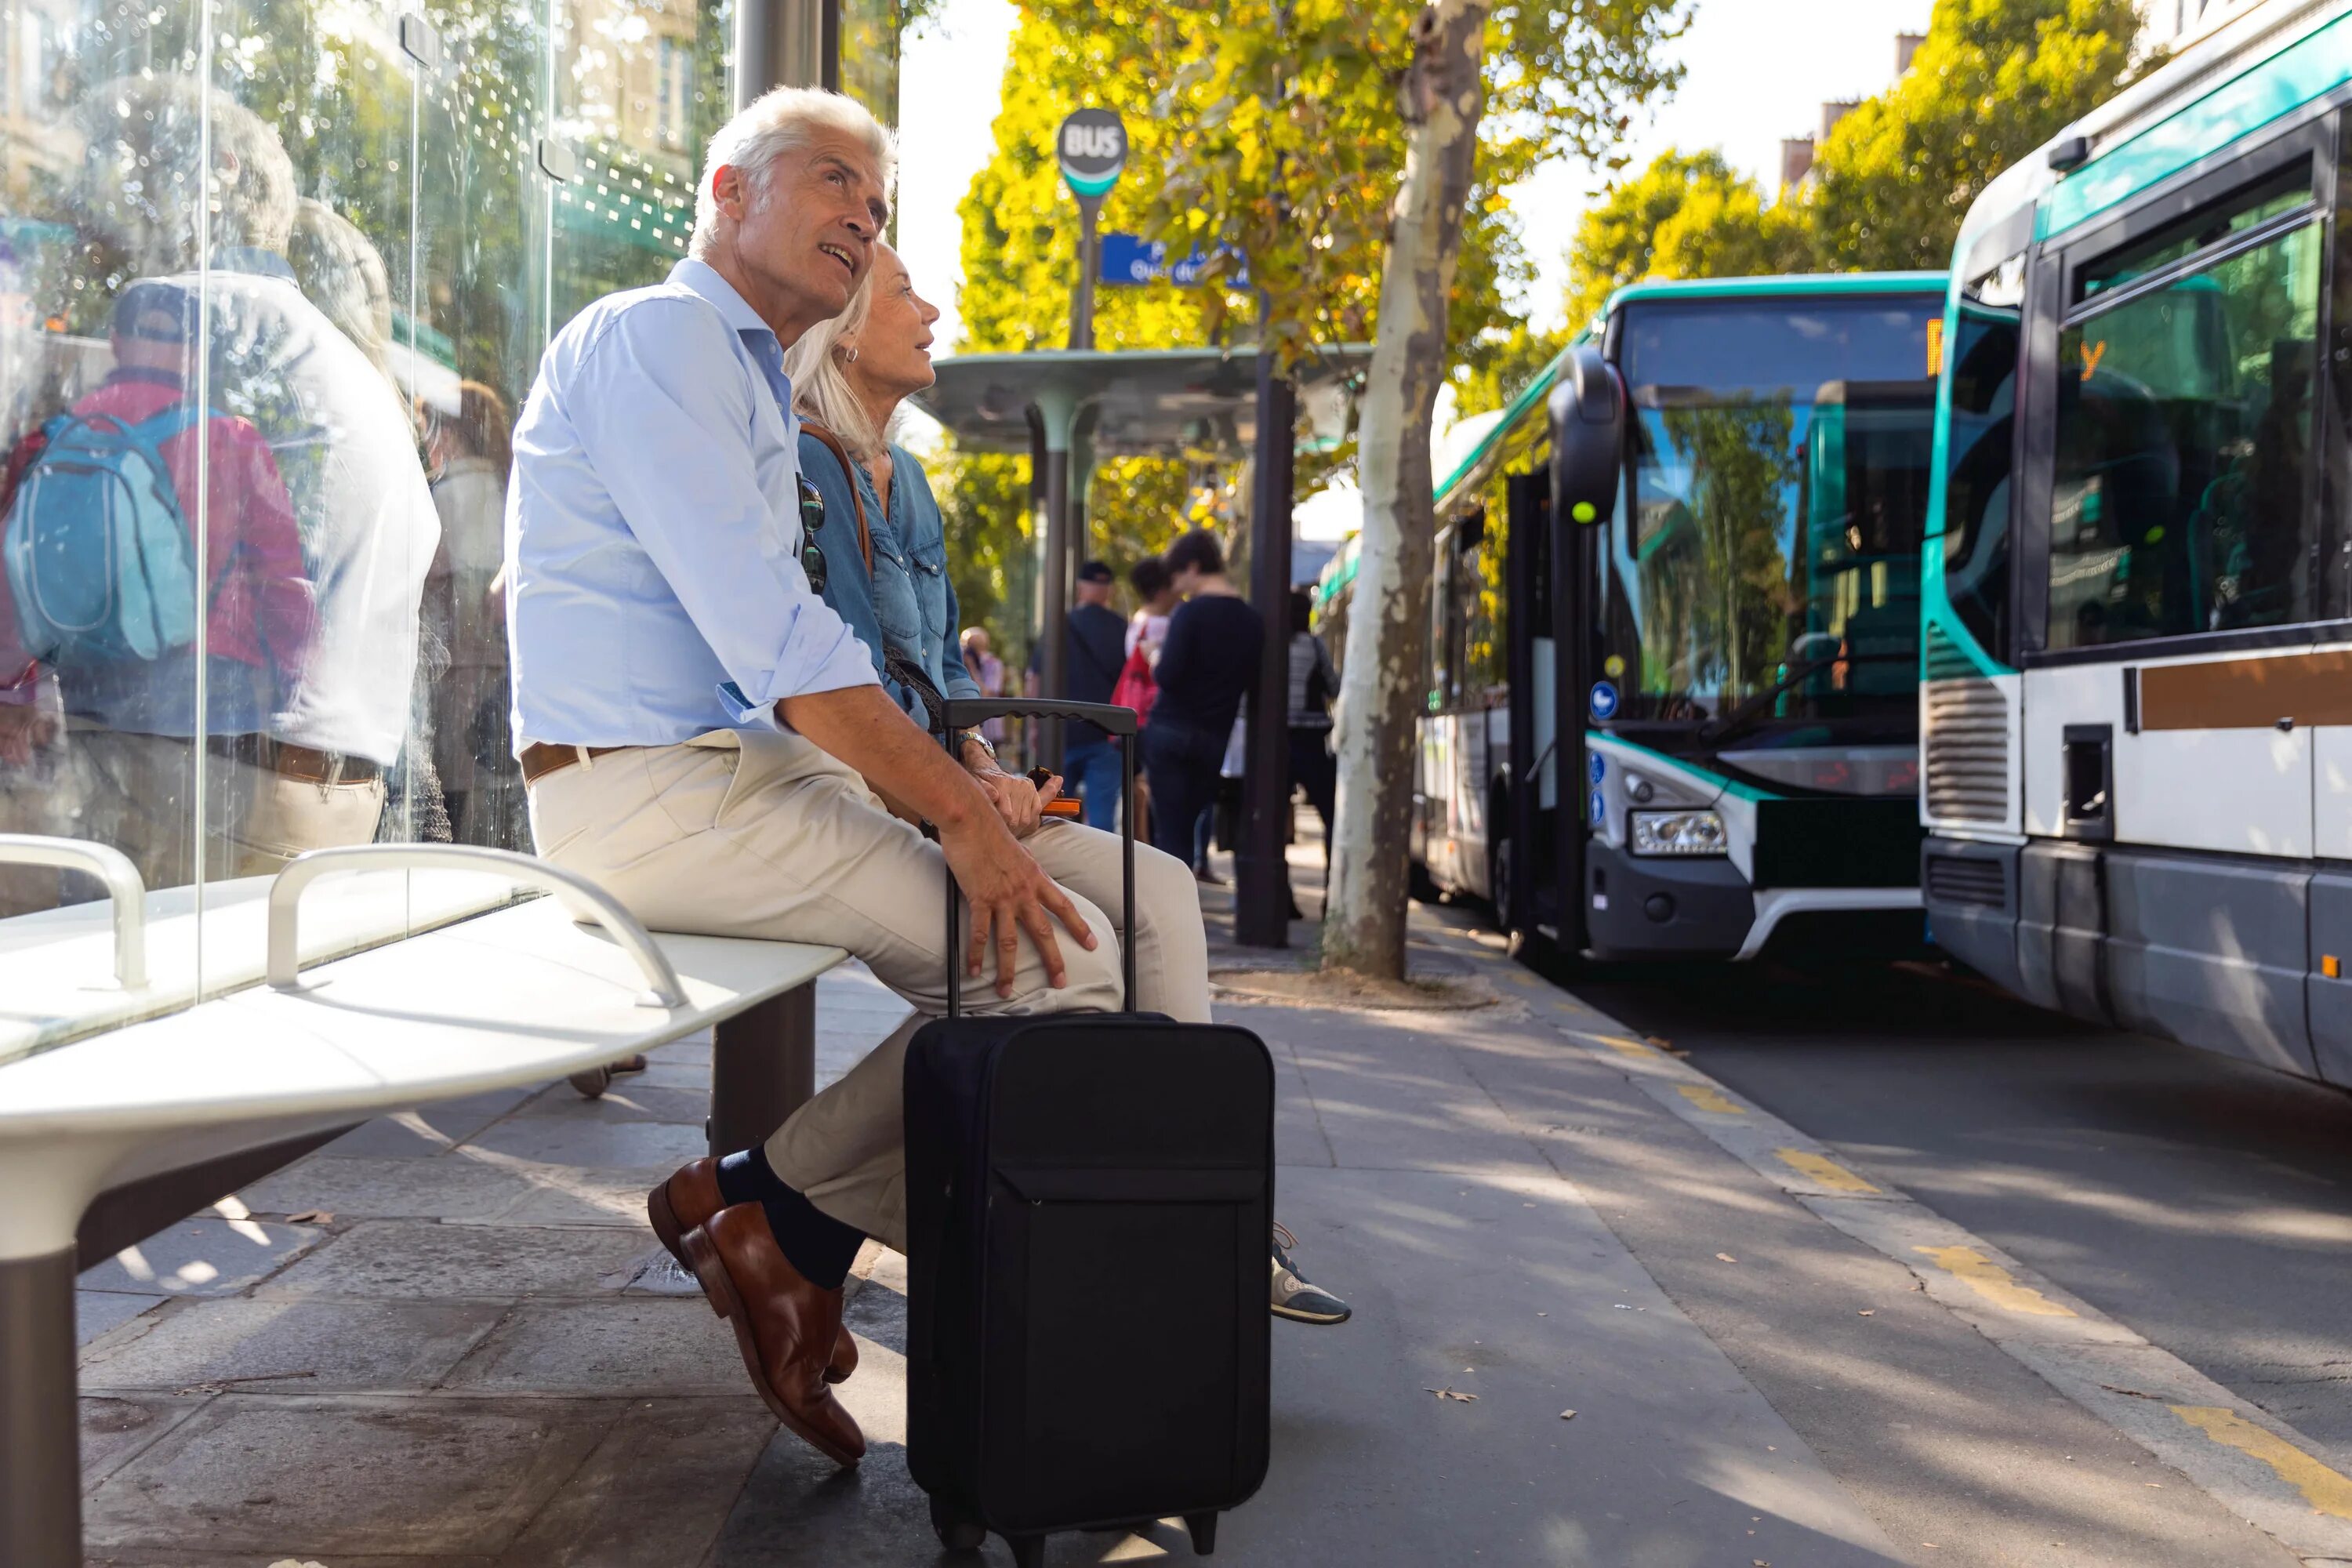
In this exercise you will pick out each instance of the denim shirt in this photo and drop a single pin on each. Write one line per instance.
(907, 604)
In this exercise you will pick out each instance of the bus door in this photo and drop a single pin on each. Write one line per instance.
(1530, 898)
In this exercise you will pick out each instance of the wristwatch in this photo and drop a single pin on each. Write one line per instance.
(977, 739)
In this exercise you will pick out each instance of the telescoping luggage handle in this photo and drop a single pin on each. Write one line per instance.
(968, 712)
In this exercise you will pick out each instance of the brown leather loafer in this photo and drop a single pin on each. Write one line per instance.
(782, 1325)
(689, 1199)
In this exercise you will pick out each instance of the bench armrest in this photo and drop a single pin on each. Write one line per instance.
(123, 888)
(583, 898)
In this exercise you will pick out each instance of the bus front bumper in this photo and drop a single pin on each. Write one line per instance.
(1658, 908)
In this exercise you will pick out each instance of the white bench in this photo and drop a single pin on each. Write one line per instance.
(508, 998)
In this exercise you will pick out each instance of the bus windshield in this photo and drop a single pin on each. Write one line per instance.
(1766, 569)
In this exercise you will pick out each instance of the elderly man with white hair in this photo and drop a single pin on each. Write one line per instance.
(702, 735)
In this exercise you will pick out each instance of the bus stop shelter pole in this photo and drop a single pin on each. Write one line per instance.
(1261, 870)
(786, 43)
(1060, 411)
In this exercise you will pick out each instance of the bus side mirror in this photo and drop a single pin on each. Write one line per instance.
(1588, 437)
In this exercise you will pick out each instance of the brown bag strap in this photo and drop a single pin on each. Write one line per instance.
(832, 444)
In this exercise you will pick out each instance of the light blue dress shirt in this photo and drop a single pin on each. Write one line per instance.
(653, 533)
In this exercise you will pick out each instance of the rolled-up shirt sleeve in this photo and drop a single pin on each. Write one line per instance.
(672, 443)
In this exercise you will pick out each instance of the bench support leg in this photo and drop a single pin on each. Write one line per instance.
(41, 1427)
(762, 1069)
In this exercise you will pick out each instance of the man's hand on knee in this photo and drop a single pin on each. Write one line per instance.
(1009, 893)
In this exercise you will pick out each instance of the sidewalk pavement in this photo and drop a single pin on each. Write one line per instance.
(449, 1340)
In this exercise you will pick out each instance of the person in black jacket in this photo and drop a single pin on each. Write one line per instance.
(1206, 664)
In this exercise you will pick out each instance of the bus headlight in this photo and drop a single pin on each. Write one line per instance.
(1677, 833)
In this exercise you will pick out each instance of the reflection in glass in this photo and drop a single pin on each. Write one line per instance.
(2184, 434)
(282, 387)
(1767, 564)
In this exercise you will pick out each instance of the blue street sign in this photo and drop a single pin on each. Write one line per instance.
(1604, 700)
(1127, 258)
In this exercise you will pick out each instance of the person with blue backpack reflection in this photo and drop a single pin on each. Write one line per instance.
(106, 575)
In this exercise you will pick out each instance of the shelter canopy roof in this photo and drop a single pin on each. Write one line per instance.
(1136, 402)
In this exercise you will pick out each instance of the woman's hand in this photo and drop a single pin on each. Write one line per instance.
(1020, 804)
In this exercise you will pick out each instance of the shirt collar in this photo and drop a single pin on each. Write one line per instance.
(702, 279)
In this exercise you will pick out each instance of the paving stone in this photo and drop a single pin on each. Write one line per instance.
(323, 1478)
(98, 1311)
(116, 1428)
(456, 1188)
(630, 1099)
(569, 1195)
(556, 1141)
(408, 1260)
(693, 1050)
(636, 1347)
(427, 1131)
(183, 1559)
(655, 1492)
(202, 1256)
(293, 1347)
(660, 1074)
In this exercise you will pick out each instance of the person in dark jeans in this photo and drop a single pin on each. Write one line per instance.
(1313, 683)
(1091, 666)
(1207, 663)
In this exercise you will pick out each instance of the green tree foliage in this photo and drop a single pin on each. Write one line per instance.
(1688, 215)
(1995, 79)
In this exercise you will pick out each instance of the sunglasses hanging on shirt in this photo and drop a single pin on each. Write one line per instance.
(812, 520)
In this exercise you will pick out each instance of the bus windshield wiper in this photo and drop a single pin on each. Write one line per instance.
(1740, 718)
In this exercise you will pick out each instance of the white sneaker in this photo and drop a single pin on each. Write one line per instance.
(1294, 1298)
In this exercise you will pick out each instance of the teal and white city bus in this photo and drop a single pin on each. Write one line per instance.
(1729, 644)
(2136, 606)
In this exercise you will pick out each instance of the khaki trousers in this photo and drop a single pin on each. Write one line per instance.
(759, 834)
(137, 793)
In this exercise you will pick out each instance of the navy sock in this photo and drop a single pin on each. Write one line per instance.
(813, 1242)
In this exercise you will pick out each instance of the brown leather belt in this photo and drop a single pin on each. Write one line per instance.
(306, 764)
(539, 759)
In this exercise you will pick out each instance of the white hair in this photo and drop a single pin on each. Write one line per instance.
(821, 390)
(769, 127)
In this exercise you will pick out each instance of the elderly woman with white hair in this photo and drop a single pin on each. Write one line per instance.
(885, 574)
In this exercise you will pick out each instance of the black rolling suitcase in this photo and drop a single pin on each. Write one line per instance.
(1089, 1200)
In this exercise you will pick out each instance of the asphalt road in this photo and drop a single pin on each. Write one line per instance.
(2205, 1203)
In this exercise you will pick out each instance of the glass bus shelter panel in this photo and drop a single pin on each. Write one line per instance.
(639, 88)
(473, 345)
(2179, 503)
(102, 123)
(1780, 480)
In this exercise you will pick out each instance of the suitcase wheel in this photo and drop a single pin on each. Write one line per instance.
(1204, 1527)
(1028, 1551)
(956, 1532)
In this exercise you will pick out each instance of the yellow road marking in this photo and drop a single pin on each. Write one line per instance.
(1824, 1170)
(1620, 1043)
(2326, 1491)
(1993, 1282)
(1707, 1097)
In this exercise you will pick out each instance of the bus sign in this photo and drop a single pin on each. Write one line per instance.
(1092, 149)
(1604, 700)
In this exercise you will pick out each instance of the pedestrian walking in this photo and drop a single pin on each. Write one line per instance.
(1204, 667)
(1314, 682)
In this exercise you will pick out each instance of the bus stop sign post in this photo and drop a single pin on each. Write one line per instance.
(1092, 148)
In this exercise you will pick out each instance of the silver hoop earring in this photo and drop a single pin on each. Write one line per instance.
(853, 356)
